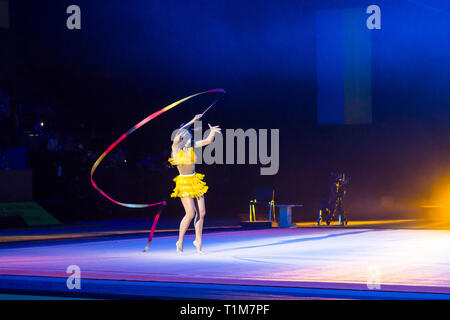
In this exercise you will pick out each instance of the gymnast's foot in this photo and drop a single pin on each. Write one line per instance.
(179, 247)
(198, 245)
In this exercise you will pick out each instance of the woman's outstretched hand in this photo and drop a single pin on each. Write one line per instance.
(212, 132)
(214, 129)
(197, 117)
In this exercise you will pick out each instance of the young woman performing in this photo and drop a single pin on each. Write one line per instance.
(189, 185)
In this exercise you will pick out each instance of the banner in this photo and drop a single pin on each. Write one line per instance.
(343, 61)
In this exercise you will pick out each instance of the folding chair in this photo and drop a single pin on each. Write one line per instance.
(262, 196)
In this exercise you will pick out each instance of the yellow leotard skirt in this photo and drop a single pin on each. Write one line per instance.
(190, 186)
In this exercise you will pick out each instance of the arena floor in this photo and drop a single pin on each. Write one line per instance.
(241, 264)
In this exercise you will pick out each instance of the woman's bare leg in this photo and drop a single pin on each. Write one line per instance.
(198, 223)
(189, 208)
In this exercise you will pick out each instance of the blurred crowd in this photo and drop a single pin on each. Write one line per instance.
(34, 127)
(61, 158)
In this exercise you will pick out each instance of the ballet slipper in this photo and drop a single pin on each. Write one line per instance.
(199, 249)
(179, 249)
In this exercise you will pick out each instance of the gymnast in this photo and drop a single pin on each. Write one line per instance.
(189, 185)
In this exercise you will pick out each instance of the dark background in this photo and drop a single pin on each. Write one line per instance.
(131, 58)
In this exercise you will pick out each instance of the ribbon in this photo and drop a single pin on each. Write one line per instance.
(125, 135)
(133, 129)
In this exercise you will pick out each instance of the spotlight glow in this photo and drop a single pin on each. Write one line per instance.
(440, 200)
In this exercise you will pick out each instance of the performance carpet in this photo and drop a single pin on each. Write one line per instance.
(276, 263)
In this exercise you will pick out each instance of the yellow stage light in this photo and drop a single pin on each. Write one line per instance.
(439, 203)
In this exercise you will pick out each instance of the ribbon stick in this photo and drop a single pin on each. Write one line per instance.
(210, 106)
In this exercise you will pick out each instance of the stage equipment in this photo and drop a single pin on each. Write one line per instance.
(333, 208)
(286, 214)
(262, 196)
(266, 197)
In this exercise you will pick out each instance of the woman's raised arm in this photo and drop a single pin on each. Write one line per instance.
(210, 138)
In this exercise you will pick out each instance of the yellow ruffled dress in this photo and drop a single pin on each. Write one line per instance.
(191, 185)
